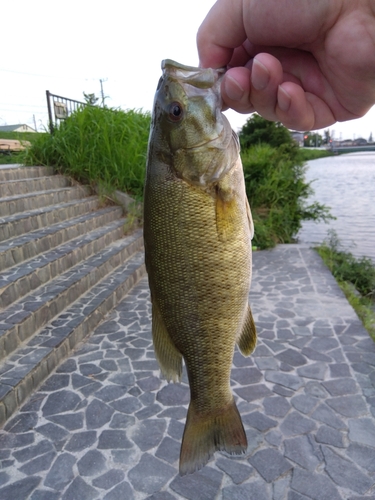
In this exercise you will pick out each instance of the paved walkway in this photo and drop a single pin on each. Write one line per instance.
(105, 426)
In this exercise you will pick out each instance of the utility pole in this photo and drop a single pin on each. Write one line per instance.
(35, 123)
(101, 89)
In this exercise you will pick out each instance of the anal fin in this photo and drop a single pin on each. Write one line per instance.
(248, 338)
(169, 358)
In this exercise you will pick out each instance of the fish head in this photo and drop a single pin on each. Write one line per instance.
(188, 124)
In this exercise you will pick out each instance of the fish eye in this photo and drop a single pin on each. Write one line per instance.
(175, 111)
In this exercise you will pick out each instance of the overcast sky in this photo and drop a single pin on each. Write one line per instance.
(67, 47)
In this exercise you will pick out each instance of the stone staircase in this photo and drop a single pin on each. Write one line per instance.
(64, 264)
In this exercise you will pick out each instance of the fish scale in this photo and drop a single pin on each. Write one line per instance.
(197, 230)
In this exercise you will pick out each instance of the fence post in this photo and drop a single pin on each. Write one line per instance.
(68, 105)
(49, 111)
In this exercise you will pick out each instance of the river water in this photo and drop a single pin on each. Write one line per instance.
(346, 183)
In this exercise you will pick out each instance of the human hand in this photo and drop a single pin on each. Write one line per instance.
(306, 64)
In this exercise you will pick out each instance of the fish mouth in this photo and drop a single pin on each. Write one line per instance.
(201, 78)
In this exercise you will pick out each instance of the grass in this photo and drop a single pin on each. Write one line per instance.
(8, 159)
(355, 276)
(16, 157)
(98, 146)
(20, 136)
(306, 154)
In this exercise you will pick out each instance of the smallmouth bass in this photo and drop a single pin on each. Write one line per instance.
(197, 232)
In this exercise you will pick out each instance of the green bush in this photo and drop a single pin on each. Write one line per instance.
(277, 192)
(275, 182)
(257, 130)
(98, 145)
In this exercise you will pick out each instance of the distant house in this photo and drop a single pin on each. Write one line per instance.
(360, 142)
(20, 127)
(346, 143)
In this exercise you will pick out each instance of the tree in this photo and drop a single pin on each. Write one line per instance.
(327, 137)
(370, 138)
(312, 139)
(90, 99)
(257, 130)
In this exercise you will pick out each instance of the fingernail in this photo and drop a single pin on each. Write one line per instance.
(233, 89)
(260, 76)
(283, 99)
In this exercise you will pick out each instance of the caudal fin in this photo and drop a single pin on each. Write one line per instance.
(204, 434)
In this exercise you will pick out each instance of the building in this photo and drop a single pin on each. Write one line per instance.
(20, 127)
(360, 142)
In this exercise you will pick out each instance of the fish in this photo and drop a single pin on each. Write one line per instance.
(197, 236)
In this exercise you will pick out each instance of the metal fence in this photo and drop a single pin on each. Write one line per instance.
(59, 108)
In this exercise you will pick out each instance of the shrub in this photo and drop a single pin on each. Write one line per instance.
(277, 192)
(257, 130)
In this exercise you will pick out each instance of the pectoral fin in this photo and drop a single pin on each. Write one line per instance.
(169, 358)
(248, 338)
(225, 217)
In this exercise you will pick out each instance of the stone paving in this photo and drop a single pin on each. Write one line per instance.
(105, 426)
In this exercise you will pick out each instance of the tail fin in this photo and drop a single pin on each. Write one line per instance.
(204, 434)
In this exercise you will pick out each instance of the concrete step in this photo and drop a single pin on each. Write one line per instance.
(24, 317)
(28, 185)
(64, 263)
(22, 203)
(14, 172)
(25, 370)
(18, 281)
(21, 223)
(16, 250)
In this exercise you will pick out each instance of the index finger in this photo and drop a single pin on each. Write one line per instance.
(220, 33)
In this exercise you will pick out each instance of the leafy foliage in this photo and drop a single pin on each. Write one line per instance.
(90, 99)
(276, 187)
(257, 130)
(312, 139)
(98, 145)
